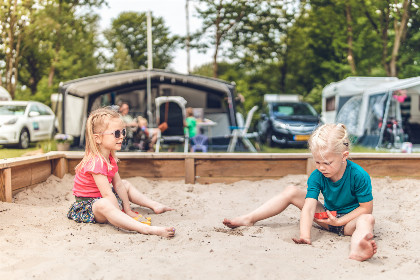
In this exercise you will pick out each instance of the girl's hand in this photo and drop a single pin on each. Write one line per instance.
(331, 220)
(130, 213)
(302, 241)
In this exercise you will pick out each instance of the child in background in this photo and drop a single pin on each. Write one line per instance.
(99, 191)
(191, 123)
(346, 188)
(144, 139)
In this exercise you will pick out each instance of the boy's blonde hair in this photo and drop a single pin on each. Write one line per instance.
(96, 123)
(331, 137)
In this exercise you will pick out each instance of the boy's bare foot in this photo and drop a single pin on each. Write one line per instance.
(160, 208)
(302, 241)
(162, 231)
(365, 250)
(237, 222)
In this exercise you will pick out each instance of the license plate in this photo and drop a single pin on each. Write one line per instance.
(302, 137)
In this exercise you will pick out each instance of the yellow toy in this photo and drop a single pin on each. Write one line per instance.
(147, 222)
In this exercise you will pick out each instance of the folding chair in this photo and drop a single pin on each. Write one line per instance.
(171, 109)
(200, 143)
(241, 132)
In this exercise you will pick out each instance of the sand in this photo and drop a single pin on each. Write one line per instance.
(37, 241)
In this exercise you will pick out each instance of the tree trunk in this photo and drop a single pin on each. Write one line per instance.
(56, 49)
(350, 55)
(218, 38)
(399, 29)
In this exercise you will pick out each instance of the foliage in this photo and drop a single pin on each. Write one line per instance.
(127, 39)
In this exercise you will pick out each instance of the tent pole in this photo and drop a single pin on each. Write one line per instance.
(149, 67)
(384, 120)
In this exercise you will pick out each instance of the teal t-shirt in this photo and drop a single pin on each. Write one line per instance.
(191, 126)
(344, 195)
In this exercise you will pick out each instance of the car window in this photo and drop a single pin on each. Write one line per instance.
(34, 108)
(293, 109)
(12, 110)
(43, 110)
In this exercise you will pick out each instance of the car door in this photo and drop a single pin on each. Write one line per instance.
(39, 122)
(47, 119)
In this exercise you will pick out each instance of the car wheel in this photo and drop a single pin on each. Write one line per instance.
(269, 139)
(24, 139)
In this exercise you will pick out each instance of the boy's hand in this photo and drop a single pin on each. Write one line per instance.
(331, 220)
(302, 241)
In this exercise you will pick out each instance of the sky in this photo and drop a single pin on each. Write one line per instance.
(174, 14)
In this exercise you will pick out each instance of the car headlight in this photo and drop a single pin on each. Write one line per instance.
(11, 121)
(280, 125)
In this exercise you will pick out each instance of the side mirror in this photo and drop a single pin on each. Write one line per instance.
(34, 114)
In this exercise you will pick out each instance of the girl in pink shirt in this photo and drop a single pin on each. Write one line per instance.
(100, 192)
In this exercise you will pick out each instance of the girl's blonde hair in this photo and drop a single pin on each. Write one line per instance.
(331, 137)
(96, 123)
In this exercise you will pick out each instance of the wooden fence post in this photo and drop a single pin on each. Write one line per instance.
(6, 185)
(59, 167)
(189, 170)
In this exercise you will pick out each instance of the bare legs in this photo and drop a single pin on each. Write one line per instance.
(106, 210)
(274, 206)
(140, 199)
(362, 246)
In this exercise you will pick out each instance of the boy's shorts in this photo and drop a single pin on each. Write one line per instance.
(336, 229)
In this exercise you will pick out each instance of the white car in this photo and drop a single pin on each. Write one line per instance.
(22, 122)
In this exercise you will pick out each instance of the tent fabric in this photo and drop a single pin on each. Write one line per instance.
(106, 82)
(357, 85)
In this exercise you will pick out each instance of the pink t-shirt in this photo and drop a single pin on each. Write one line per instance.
(84, 184)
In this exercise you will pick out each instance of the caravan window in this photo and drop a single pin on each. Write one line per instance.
(330, 104)
(349, 114)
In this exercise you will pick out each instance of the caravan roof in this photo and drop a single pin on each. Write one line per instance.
(355, 85)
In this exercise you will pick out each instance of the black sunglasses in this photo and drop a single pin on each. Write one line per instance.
(117, 133)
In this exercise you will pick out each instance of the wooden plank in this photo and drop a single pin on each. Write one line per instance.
(71, 165)
(229, 180)
(40, 172)
(189, 171)
(6, 163)
(390, 167)
(156, 168)
(21, 177)
(59, 167)
(249, 168)
(6, 185)
(310, 166)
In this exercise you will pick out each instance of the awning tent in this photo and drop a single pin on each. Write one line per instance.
(362, 102)
(83, 95)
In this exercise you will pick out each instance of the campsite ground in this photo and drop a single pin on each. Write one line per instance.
(39, 242)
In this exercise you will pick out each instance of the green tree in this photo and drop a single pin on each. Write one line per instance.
(14, 16)
(128, 34)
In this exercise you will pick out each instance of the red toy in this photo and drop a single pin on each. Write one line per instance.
(324, 215)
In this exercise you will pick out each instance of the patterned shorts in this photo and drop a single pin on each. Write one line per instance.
(81, 211)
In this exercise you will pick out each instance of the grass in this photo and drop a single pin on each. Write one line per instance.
(46, 146)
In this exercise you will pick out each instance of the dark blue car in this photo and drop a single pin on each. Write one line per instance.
(287, 123)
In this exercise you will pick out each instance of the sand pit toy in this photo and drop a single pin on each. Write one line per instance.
(324, 215)
(146, 220)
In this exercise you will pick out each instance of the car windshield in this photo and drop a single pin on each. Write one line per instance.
(293, 109)
(12, 110)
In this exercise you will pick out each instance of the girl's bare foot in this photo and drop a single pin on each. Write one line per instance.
(237, 222)
(365, 249)
(160, 208)
(162, 231)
